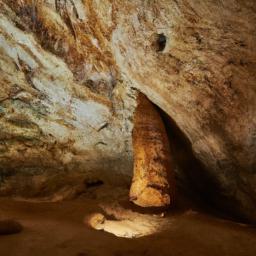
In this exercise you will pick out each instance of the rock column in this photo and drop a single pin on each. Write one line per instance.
(153, 181)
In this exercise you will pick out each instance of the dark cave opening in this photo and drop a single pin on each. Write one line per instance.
(161, 42)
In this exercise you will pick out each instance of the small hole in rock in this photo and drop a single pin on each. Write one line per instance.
(161, 42)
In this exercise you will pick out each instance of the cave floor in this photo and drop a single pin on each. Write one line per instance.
(58, 228)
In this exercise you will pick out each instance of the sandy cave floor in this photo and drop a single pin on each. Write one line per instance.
(60, 228)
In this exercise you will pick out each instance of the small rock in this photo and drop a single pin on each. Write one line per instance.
(9, 227)
(97, 221)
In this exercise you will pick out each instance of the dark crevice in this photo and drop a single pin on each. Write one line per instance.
(161, 42)
(93, 183)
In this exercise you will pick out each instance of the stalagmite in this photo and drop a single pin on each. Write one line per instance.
(153, 181)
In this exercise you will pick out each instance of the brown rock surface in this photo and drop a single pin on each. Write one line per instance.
(153, 178)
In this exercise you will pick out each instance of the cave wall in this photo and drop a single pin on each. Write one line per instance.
(64, 115)
(59, 58)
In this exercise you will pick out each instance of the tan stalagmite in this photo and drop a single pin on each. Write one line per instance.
(153, 181)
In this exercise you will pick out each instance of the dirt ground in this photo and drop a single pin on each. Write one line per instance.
(58, 229)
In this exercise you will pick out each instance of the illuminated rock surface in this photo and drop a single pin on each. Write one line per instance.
(153, 179)
(127, 224)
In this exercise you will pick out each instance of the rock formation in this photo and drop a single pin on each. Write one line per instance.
(10, 227)
(68, 72)
(153, 178)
